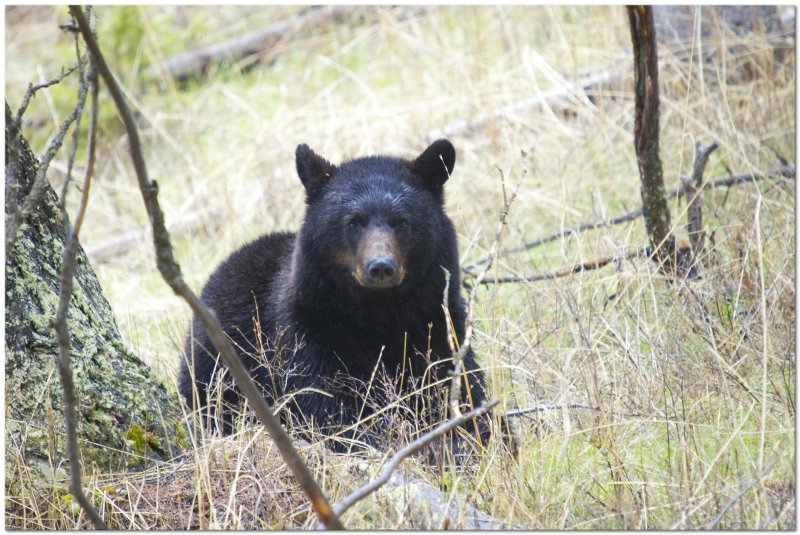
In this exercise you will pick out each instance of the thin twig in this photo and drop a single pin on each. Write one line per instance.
(786, 171)
(545, 408)
(411, 448)
(32, 89)
(75, 131)
(170, 271)
(62, 328)
(563, 272)
(458, 356)
(455, 385)
(18, 217)
(711, 525)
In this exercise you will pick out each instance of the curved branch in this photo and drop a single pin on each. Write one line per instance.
(60, 323)
(361, 493)
(18, 217)
(170, 271)
(583, 267)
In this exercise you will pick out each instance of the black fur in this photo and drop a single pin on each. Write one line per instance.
(320, 328)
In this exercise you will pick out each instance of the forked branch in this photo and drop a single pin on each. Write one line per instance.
(17, 215)
(783, 171)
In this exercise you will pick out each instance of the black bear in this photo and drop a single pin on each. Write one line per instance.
(343, 321)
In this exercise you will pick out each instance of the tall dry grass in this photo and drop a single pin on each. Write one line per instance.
(662, 404)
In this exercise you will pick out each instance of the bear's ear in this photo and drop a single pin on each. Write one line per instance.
(435, 164)
(313, 170)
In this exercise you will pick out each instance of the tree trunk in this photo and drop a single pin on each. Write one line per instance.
(126, 417)
(654, 201)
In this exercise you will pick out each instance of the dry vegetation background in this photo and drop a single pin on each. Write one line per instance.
(691, 412)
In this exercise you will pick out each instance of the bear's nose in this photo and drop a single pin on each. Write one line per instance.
(382, 272)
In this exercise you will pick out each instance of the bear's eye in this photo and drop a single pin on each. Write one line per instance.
(402, 224)
(354, 223)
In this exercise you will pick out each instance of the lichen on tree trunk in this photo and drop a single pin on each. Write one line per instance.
(127, 418)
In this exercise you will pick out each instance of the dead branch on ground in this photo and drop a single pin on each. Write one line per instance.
(171, 272)
(411, 448)
(126, 241)
(547, 99)
(196, 62)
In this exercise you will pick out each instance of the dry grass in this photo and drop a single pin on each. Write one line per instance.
(691, 385)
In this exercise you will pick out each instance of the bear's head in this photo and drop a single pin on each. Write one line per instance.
(376, 223)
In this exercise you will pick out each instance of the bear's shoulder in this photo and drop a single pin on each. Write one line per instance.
(251, 268)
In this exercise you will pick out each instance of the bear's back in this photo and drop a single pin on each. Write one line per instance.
(247, 275)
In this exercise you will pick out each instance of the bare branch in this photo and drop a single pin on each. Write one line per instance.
(170, 271)
(361, 493)
(126, 241)
(62, 328)
(701, 160)
(630, 216)
(32, 89)
(18, 217)
(711, 525)
(691, 188)
(563, 272)
(75, 131)
(458, 359)
(786, 171)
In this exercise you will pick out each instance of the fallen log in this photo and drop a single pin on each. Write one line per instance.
(129, 239)
(196, 62)
(548, 98)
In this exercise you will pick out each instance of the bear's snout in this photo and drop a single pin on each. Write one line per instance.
(381, 272)
(378, 261)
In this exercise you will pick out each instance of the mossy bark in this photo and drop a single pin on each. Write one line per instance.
(127, 418)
